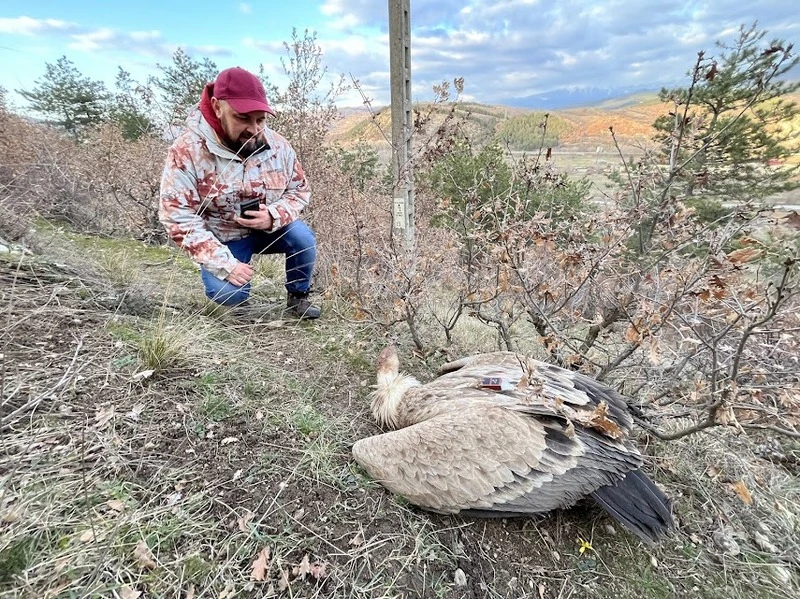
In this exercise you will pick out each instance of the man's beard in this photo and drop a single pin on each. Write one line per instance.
(247, 147)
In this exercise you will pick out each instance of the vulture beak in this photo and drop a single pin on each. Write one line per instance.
(388, 363)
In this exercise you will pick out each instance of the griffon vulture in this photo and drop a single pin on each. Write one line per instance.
(502, 435)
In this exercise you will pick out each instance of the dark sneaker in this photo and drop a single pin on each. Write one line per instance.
(299, 306)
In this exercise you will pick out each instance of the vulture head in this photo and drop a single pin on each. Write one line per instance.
(390, 388)
(503, 435)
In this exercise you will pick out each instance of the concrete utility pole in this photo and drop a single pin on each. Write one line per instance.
(400, 67)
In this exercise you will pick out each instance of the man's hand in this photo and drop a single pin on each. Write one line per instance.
(240, 275)
(259, 219)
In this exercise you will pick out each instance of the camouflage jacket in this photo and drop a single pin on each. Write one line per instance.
(204, 183)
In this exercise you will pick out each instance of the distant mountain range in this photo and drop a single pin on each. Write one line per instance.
(632, 117)
(581, 121)
(561, 99)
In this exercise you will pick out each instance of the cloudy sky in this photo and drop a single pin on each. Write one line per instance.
(516, 52)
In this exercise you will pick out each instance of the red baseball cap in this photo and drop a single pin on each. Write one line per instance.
(242, 90)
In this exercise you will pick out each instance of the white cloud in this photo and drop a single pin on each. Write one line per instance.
(509, 49)
(93, 40)
(30, 27)
(146, 36)
(506, 50)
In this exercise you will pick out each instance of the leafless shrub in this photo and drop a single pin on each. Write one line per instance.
(101, 183)
(689, 313)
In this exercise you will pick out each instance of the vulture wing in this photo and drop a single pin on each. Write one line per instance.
(533, 384)
(485, 459)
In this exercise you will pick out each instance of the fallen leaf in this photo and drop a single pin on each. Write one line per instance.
(793, 219)
(542, 589)
(228, 591)
(318, 571)
(103, 417)
(228, 440)
(126, 592)
(632, 336)
(243, 521)
(144, 556)
(237, 475)
(764, 543)
(653, 354)
(743, 492)
(302, 569)
(190, 592)
(88, 535)
(140, 376)
(743, 255)
(459, 578)
(260, 566)
(599, 420)
(135, 412)
(61, 563)
(356, 541)
(115, 505)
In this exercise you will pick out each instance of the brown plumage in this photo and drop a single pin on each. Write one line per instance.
(500, 435)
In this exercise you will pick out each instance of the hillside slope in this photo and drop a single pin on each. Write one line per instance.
(631, 117)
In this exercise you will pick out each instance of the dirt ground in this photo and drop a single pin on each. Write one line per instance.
(153, 447)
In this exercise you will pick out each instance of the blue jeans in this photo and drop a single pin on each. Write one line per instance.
(295, 240)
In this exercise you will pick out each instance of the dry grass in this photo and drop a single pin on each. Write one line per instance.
(170, 484)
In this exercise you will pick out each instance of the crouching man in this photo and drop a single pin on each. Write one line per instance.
(232, 188)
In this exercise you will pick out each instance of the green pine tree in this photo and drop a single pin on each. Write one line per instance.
(67, 98)
(181, 84)
(725, 135)
(130, 106)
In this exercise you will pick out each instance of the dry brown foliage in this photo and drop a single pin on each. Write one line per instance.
(100, 183)
(687, 317)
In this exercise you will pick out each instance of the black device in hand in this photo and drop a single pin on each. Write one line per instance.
(248, 205)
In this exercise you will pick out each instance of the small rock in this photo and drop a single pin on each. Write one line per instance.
(460, 578)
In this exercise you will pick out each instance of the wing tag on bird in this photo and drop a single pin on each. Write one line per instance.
(495, 383)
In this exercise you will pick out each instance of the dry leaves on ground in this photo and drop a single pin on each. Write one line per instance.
(143, 555)
(260, 566)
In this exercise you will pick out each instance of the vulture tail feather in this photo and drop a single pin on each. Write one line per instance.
(638, 504)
